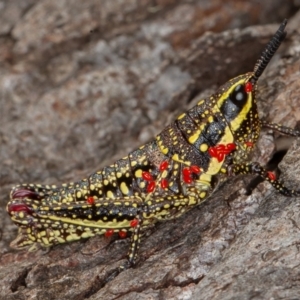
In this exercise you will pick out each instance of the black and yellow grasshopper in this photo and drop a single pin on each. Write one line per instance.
(161, 180)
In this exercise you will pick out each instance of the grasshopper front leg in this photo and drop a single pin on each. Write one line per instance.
(256, 169)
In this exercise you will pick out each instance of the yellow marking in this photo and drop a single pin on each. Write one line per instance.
(164, 174)
(193, 138)
(142, 185)
(138, 173)
(56, 232)
(119, 174)
(210, 119)
(87, 234)
(181, 116)
(223, 170)
(176, 158)
(72, 237)
(124, 188)
(192, 201)
(167, 206)
(110, 194)
(106, 182)
(133, 163)
(202, 195)
(203, 147)
(92, 187)
(164, 150)
(78, 195)
(204, 179)
(45, 241)
(200, 102)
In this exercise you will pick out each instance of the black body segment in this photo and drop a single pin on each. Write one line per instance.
(162, 179)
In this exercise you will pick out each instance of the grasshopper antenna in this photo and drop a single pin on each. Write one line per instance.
(270, 50)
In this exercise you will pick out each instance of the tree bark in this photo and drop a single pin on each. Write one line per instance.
(83, 83)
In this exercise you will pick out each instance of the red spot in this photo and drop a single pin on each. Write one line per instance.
(220, 156)
(248, 87)
(163, 166)
(271, 175)
(25, 193)
(249, 144)
(195, 169)
(147, 176)
(231, 146)
(220, 147)
(221, 150)
(212, 152)
(109, 232)
(90, 200)
(151, 186)
(15, 207)
(164, 183)
(186, 172)
(122, 234)
(187, 179)
(217, 152)
(134, 223)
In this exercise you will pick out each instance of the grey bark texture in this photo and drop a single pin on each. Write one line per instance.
(83, 83)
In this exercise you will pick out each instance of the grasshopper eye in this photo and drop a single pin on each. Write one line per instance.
(239, 95)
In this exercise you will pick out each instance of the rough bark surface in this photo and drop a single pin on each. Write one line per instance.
(73, 101)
